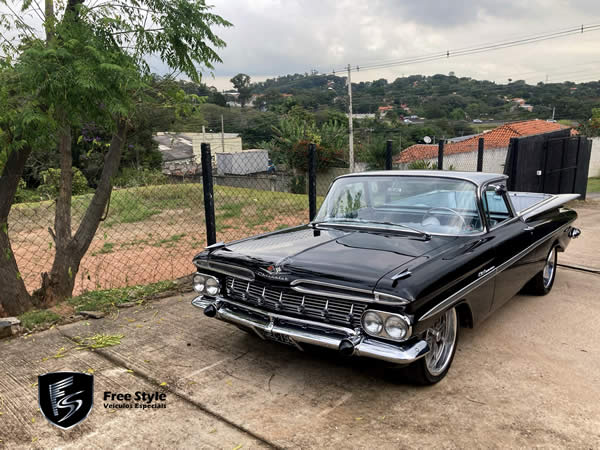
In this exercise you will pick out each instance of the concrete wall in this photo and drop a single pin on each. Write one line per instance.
(595, 158)
(233, 143)
(493, 161)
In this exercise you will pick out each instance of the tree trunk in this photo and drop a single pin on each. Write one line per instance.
(59, 283)
(14, 298)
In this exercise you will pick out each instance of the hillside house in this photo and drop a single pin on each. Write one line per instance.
(461, 153)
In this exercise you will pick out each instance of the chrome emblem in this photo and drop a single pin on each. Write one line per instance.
(273, 273)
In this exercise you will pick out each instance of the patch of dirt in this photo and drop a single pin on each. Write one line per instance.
(160, 248)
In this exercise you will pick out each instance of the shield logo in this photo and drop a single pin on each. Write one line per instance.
(65, 398)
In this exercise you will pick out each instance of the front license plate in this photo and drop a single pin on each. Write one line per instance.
(281, 338)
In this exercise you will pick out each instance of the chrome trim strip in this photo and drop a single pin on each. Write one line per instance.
(222, 268)
(338, 328)
(332, 285)
(414, 173)
(457, 296)
(396, 300)
(373, 296)
(397, 353)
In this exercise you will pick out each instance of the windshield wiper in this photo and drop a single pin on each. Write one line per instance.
(343, 221)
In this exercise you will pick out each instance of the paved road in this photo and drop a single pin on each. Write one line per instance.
(530, 375)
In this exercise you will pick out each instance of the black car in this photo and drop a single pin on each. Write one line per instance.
(392, 265)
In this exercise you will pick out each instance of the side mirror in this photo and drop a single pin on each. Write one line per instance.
(500, 189)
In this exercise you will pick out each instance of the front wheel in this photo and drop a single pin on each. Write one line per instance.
(542, 283)
(442, 339)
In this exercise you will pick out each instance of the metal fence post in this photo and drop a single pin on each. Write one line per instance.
(312, 181)
(440, 164)
(388, 155)
(480, 155)
(209, 200)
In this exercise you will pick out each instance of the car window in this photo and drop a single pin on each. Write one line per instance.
(495, 206)
(349, 199)
(429, 204)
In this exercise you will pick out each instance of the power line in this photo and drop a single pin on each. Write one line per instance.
(482, 48)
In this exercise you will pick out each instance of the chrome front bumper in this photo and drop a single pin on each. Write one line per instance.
(300, 331)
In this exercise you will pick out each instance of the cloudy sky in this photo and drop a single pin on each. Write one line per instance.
(277, 37)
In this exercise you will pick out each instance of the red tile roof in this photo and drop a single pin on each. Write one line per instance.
(496, 138)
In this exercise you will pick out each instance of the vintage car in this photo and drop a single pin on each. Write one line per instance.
(392, 265)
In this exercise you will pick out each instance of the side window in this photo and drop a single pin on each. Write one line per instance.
(495, 206)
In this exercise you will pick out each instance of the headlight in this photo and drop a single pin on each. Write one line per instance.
(199, 283)
(212, 286)
(396, 327)
(386, 325)
(206, 284)
(372, 322)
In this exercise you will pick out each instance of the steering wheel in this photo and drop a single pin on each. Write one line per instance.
(443, 208)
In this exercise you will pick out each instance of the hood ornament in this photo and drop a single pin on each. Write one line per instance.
(273, 272)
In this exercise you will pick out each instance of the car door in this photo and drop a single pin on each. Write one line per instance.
(511, 236)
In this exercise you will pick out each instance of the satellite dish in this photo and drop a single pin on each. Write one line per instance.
(427, 140)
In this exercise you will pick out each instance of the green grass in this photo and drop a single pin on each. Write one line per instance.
(106, 299)
(106, 248)
(140, 204)
(593, 185)
(170, 241)
(36, 317)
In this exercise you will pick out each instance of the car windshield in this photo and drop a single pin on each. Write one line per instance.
(426, 204)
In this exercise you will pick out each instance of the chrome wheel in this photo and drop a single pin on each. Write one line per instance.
(549, 268)
(442, 339)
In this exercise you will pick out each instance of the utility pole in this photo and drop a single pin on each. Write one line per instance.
(222, 134)
(350, 129)
(553, 110)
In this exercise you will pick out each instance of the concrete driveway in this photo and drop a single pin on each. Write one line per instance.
(529, 376)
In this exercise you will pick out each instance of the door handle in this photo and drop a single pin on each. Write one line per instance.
(528, 228)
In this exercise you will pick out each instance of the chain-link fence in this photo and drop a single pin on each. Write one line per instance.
(252, 195)
(150, 234)
(152, 231)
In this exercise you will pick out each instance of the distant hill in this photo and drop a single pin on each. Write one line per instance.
(437, 96)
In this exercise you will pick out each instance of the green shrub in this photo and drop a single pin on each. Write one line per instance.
(36, 317)
(422, 165)
(130, 177)
(24, 195)
(51, 183)
(298, 184)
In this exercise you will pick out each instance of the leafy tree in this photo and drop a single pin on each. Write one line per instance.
(591, 127)
(374, 152)
(50, 186)
(90, 67)
(241, 82)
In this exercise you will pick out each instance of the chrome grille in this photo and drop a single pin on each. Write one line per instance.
(284, 299)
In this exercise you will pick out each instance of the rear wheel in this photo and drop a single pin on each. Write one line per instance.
(442, 339)
(542, 283)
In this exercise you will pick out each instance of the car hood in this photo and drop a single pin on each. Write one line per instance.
(350, 257)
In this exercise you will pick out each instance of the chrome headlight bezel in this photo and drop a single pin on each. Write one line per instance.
(205, 284)
(384, 316)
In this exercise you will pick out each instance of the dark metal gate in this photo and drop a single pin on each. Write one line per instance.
(554, 163)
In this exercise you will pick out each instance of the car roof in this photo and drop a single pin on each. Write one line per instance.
(478, 178)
